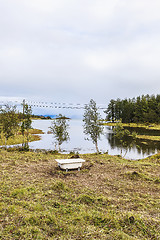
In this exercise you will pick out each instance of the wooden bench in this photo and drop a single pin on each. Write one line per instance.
(74, 163)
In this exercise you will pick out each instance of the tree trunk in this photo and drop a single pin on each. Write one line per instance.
(59, 147)
(5, 142)
(55, 146)
(125, 152)
(97, 147)
(27, 137)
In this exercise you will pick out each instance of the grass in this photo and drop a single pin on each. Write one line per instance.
(147, 137)
(110, 198)
(153, 126)
(18, 137)
(144, 126)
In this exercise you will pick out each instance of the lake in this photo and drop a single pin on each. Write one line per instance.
(78, 142)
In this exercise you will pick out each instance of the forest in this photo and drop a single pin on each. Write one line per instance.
(142, 109)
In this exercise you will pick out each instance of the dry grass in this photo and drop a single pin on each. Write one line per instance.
(18, 137)
(110, 198)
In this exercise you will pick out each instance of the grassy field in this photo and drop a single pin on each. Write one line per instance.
(110, 198)
(18, 137)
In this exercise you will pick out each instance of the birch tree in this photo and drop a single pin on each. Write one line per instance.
(59, 129)
(92, 126)
(26, 123)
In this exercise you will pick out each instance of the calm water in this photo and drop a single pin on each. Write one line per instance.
(77, 142)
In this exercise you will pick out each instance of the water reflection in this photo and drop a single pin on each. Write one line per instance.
(143, 147)
(108, 143)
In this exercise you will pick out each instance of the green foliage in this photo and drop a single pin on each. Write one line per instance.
(136, 110)
(9, 121)
(119, 130)
(13, 123)
(123, 134)
(111, 111)
(26, 123)
(91, 119)
(27, 117)
(59, 128)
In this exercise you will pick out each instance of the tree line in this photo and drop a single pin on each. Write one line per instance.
(143, 109)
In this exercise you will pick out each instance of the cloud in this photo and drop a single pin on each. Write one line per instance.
(71, 50)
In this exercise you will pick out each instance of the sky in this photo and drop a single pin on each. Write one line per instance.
(77, 50)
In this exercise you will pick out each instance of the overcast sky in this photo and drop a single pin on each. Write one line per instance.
(75, 50)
